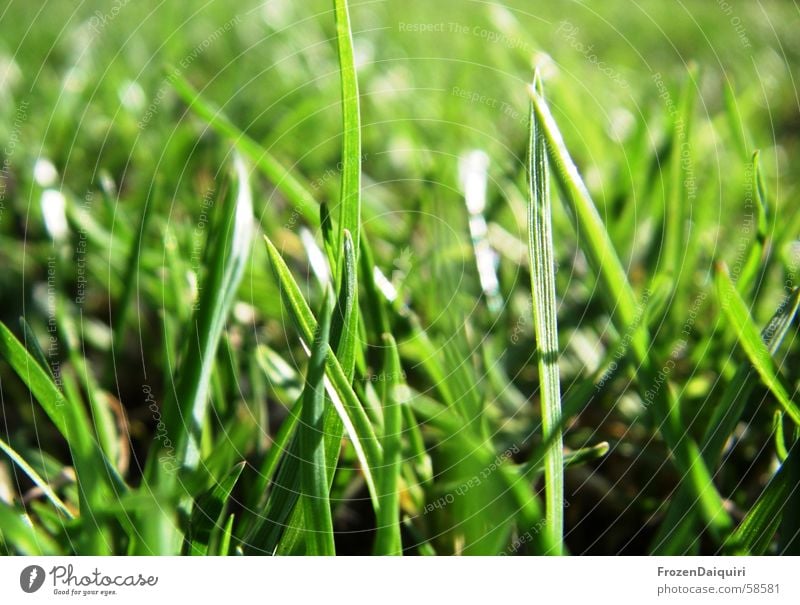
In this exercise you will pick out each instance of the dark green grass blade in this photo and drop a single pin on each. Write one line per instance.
(678, 527)
(387, 539)
(543, 289)
(739, 318)
(209, 513)
(314, 470)
(754, 535)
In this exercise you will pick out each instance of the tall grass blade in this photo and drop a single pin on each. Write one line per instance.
(387, 540)
(626, 313)
(209, 513)
(186, 412)
(543, 289)
(314, 470)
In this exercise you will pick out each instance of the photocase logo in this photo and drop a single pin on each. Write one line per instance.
(31, 578)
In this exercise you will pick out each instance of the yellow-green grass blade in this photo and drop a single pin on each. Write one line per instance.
(37, 479)
(543, 289)
(350, 196)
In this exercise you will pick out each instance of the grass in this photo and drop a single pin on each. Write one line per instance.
(307, 288)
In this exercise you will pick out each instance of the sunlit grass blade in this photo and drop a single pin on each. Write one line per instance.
(540, 250)
(314, 470)
(209, 513)
(678, 527)
(387, 539)
(755, 262)
(20, 536)
(350, 196)
(574, 458)
(37, 479)
(625, 310)
(757, 352)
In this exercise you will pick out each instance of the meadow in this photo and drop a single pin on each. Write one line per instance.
(379, 277)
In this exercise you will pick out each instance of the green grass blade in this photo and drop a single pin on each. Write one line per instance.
(622, 303)
(19, 534)
(314, 470)
(754, 534)
(350, 197)
(338, 385)
(543, 289)
(296, 193)
(757, 352)
(231, 251)
(755, 262)
(387, 539)
(36, 478)
(677, 527)
(209, 512)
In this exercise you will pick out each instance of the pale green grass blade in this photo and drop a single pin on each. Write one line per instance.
(314, 469)
(187, 408)
(543, 289)
(338, 385)
(387, 539)
(739, 318)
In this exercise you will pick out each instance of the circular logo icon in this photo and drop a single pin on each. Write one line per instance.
(31, 578)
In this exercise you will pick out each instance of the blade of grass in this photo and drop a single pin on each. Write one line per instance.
(387, 539)
(314, 483)
(678, 526)
(757, 352)
(36, 478)
(185, 413)
(621, 300)
(17, 532)
(754, 534)
(543, 290)
(209, 512)
(296, 193)
(338, 385)
(350, 197)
